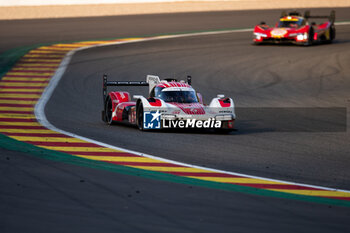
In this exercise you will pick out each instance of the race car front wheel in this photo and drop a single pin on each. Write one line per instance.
(331, 34)
(139, 115)
(108, 111)
(310, 38)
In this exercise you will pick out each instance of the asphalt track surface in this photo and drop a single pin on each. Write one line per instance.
(41, 195)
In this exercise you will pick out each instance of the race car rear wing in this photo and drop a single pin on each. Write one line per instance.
(330, 17)
(307, 15)
(152, 80)
(107, 83)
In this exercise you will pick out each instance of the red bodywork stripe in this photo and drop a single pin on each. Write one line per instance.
(157, 103)
(223, 104)
(191, 109)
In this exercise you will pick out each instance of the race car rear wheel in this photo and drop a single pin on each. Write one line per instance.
(139, 115)
(108, 111)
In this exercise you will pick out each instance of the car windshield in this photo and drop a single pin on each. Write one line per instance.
(178, 96)
(290, 23)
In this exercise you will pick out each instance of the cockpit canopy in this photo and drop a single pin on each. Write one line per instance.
(291, 22)
(175, 94)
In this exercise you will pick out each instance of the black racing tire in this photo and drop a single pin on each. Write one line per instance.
(332, 33)
(139, 115)
(108, 111)
(311, 36)
(310, 39)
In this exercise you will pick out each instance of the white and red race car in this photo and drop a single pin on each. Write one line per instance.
(171, 104)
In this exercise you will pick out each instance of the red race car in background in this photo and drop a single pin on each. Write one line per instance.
(293, 28)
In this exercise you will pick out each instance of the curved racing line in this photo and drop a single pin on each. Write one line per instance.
(29, 84)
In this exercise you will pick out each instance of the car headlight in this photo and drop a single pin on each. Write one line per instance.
(305, 36)
(302, 36)
(258, 35)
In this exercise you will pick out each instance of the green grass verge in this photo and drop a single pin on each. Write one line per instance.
(14, 145)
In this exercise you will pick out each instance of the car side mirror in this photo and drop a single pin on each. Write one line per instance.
(189, 79)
